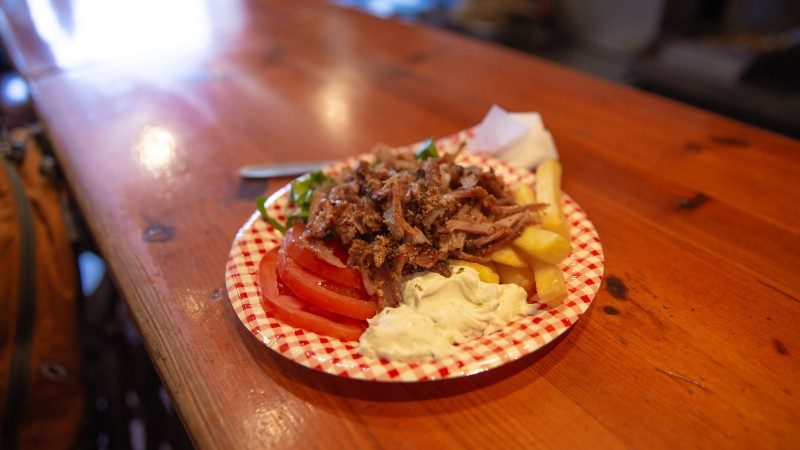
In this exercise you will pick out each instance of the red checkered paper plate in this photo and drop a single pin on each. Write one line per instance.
(583, 271)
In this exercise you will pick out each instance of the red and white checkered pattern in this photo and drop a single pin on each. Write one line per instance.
(583, 272)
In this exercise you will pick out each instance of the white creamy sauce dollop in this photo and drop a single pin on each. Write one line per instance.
(437, 313)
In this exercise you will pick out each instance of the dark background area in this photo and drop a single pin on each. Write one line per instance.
(739, 58)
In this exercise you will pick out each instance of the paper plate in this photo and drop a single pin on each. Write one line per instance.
(583, 272)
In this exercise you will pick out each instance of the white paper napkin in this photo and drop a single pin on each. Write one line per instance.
(519, 138)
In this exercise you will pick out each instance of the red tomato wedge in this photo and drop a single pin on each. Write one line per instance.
(322, 294)
(309, 261)
(294, 312)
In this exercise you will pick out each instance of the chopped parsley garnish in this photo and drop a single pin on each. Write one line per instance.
(427, 150)
(300, 193)
(260, 200)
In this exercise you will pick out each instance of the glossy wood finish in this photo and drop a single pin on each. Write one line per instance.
(691, 342)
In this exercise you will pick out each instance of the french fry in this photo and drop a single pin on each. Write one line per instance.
(549, 283)
(524, 195)
(506, 255)
(548, 190)
(543, 245)
(521, 276)
(485, 273)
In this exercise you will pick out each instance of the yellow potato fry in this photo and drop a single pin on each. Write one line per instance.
(521, 276)
(543, 245)
(485, 273)
(508, 256)
(524, 195)
(548, 190)
(549, 283)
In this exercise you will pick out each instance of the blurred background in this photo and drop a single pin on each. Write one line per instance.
(740, 58)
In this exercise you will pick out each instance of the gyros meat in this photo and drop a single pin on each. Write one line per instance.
(403, 214)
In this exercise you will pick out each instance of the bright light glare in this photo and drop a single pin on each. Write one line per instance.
(334, 106)
(155, 150)
(117, 30)
(16, 90)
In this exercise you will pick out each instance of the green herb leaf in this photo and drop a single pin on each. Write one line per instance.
(300, 193)
(305, 200)
(298, 189)
(260, 200)
(317, 177)
(302, 189)
(427, 150)
(299, 214)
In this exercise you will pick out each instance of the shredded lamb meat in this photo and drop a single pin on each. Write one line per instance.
(398, 215)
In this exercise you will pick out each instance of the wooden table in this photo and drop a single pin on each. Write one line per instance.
(692, 341)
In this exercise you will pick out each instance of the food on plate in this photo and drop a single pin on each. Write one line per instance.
(485, 273)
(408, 212)
(413, 253)
(543, 245)
(302, 314)
(548, 191)
(521, 276)
(323, 292)
(549, 283)
(523, 194)
(506, 255)
(542, 248)
(302, 254)
(437, 313)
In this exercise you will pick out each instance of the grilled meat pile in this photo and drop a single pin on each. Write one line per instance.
(399, 215)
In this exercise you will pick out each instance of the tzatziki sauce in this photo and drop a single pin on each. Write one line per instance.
(437, 313)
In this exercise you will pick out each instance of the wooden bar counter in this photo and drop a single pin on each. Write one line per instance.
(692, 341)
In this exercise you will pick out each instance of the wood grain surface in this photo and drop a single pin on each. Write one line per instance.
(692, 341)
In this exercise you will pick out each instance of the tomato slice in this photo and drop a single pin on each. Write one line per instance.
(314, 290)
(287, 309)
(294, 312)
(309, 261)
(267, 275)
